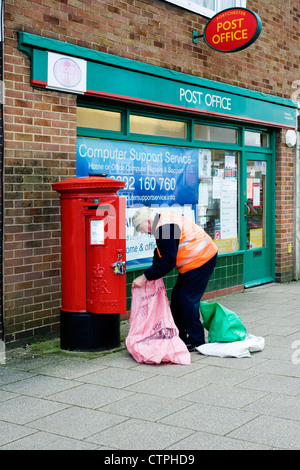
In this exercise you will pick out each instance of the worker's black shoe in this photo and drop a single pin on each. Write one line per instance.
(191, 347)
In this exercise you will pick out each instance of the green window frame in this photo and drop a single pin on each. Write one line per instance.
(257, 138)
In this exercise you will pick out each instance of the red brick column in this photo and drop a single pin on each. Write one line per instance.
(284, 219)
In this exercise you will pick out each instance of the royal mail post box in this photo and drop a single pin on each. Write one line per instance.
(93, 256)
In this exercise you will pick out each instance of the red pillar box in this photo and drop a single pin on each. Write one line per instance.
(93, 252)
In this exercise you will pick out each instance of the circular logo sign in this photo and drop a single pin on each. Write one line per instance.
(67, 72)
(232, 30)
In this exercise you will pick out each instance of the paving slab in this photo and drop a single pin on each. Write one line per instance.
(208, 441)
(273, 383)
(278, 405)
(22, 410)
(38, 386)
(76, 422)
(275, 432)
(228, 397)
(173, 387)
(147, 407)
(136, 434)
(10, 433)
(69, 369)
(213, 419)
(90, 396)
(46, 441)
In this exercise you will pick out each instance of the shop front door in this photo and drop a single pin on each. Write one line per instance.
(258, 220)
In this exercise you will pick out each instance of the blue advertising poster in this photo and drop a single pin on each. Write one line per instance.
(155, 175)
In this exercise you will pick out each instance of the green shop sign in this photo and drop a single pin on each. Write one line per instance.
(70, 68)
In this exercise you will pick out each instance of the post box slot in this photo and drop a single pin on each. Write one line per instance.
(102, 210)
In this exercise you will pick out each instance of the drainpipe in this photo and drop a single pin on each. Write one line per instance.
(297, 203)
(2, 344)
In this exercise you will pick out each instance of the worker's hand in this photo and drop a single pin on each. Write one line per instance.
(139, 281)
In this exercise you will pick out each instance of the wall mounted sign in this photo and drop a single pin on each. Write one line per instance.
(122, 79)
(232, 30)
(66, 73)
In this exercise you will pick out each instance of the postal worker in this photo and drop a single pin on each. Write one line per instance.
(185, 245)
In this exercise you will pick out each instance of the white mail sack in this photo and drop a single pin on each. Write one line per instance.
(234, 349)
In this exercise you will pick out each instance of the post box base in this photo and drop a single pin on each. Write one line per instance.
(84, 331)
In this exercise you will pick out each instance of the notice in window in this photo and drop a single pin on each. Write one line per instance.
(217, 184)
(228, 214)
(203, 194)
(249, 188)
(256, 238)
(204, 163)
(230, 167)
(256, 192)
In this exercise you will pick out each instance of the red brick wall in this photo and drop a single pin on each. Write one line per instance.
(40, 125)
(284, 227)
(41, 150)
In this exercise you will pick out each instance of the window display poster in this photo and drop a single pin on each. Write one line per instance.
(256, 238)
(204, 163)
(203, 194)
(153, 174)
(249, 188)
(227, 245)
(230, 167)
(217, 184)
(228, 213)
(256, 192)
(217, 232)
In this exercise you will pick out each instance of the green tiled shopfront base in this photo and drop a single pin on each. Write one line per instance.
(227, 276)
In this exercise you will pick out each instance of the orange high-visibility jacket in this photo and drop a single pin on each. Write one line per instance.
(195, 246)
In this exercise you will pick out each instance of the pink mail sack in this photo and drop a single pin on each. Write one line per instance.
(153, 336)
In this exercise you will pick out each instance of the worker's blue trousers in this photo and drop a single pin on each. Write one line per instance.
(185, 302)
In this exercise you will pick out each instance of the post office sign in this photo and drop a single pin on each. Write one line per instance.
(232, 30)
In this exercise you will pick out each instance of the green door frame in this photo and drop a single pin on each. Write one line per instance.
(259, 263)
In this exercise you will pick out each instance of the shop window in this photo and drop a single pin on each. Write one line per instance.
(208, 7)
(157, 127)
(218, 197)
(256, 139)
(98, 119)
(215, 134)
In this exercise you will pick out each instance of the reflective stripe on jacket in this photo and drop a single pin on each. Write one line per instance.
(195, 246)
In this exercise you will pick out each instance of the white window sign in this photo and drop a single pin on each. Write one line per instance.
(66, 73)
(208, 8)
(228, 213)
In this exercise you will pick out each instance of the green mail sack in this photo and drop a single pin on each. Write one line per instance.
(222, 324)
